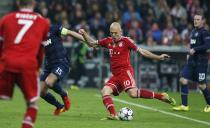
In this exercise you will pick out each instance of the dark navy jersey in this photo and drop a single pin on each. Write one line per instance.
(199, 41)
(54, 49)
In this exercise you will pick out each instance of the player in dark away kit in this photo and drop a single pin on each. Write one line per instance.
(197, 63)
(56, 67)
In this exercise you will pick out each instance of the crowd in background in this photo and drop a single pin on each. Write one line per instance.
(150, 22)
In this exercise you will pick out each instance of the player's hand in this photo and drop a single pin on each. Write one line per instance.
(164, 57)
(192, 51)
(39, 71)
(82, 31)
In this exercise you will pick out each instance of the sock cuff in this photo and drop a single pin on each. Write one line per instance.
(33, 107)
(138, 93)
(106, 96)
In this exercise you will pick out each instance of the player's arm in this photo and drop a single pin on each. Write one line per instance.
(206, 39)
(151, 55)
(205, 46)
(88, 39)
(131, 45)
(76, 35)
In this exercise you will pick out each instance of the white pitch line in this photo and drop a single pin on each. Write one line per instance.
(161, 111)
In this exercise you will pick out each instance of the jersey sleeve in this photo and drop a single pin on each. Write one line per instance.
(206, 40)
(205, 35)
(104, 42)
(131, 44)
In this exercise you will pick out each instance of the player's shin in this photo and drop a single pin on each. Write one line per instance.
(59, 90)
(147, 94)
(206, 95)
(108, 103)
(52, 100)
(184, 95)
(30, 116)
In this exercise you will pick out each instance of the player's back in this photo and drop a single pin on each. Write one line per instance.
(22, 34)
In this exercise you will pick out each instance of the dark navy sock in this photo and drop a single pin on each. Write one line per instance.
(52, 100)
(184, 95)
(206, 95)
(59, 90)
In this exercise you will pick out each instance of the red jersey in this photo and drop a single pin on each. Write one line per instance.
(22, 33)
(119, 52)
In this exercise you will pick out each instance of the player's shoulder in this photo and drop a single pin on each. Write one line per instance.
(204, 30)
(55, 27)
(106, 40)
(8, 16)
(127, 39)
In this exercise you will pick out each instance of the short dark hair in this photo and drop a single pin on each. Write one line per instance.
(200, 13)
(25, 2)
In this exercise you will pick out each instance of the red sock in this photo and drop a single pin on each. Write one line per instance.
(30, 117)
(107, 100)
(158, 96)
(147, 94)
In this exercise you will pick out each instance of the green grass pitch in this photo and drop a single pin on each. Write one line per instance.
(87, 110)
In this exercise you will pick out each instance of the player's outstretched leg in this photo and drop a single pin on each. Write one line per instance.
(59, 90)
(30, 115)
(147, 94)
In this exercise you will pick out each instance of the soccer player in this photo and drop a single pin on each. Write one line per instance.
(197, 63)
(22, 33)
(123, 77)
(56, 67)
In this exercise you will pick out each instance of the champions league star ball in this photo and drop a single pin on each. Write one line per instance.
(125, 114)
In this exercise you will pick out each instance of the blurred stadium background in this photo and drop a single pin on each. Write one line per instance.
(157, 25)
(161, 26)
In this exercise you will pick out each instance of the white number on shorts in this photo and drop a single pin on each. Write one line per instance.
(201, 76)
(127, 82)
(59, 71)
(26, 25)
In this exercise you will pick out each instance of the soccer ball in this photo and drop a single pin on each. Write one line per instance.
(125, 114)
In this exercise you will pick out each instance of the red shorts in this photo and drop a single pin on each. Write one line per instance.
(121, 82)
(27, 81)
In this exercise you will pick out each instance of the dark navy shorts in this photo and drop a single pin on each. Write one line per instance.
(195, 71)
(60, 69)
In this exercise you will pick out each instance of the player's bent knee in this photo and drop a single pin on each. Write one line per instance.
(202, 86)
(106, 91)
(49, 82)
(51, 79)
(132, 93)
(183, 81)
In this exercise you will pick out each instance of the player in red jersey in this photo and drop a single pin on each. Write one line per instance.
(22, 33)
(123, 76)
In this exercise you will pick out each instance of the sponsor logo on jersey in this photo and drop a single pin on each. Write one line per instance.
(192, 41)
(46, 43)
(120, 44)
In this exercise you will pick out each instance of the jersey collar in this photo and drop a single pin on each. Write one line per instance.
(26, 10)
